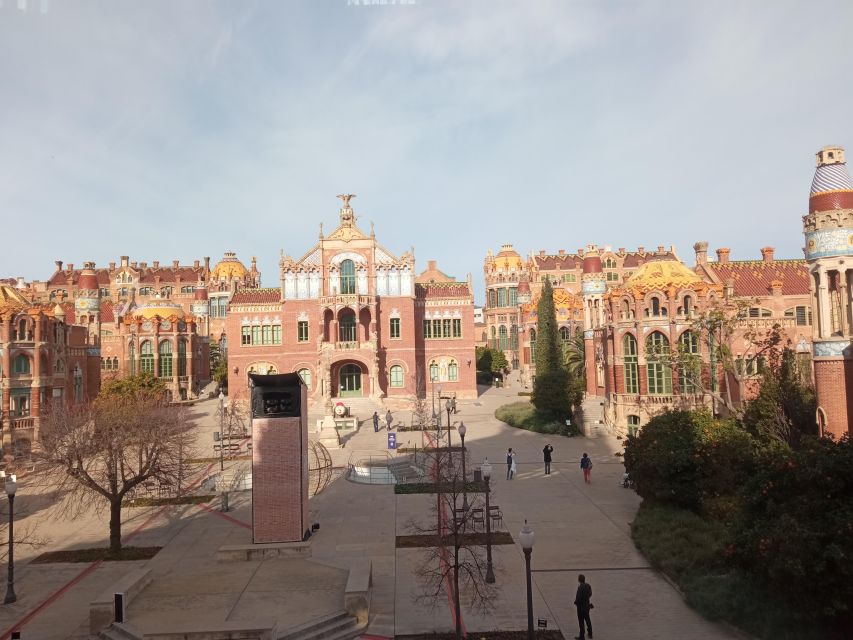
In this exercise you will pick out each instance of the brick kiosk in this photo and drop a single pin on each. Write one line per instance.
(279, 458)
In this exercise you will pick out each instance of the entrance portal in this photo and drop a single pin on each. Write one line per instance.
(350, 381)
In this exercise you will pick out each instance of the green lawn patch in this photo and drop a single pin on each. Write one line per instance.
(159, 502)
(92, 555)
(522, 415)
(475, 537)
(430, 487)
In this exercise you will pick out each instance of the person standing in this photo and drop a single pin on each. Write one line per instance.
(375, 422)
(546, 455)
(510, 463)
(583, 605)
(586, 465)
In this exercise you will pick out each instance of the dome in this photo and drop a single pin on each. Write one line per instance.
(159, 307)
(662, 274)
(508, 259)
(565, 304)
(831, 185)
(229, 267)
(592, 263)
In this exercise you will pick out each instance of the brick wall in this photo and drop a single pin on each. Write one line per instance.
(834, 383)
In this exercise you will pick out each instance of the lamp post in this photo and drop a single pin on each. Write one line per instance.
(221, 428)
(462, 430)
(11, 487)
(526, 538)
(486, 469)
(447, 406)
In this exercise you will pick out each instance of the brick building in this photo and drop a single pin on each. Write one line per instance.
(354, 320)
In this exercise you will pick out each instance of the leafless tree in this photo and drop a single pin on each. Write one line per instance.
(95, 455)
(455, 563)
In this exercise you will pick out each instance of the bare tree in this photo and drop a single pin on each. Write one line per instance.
(455, 561)
(96, 454)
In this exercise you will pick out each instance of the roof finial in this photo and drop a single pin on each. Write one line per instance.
(347, 218)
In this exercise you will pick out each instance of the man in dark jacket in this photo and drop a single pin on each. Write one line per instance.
(546, 454)
(583, 606)
(375, 421)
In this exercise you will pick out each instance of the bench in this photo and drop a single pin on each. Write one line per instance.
(357, 592)
(102, 608)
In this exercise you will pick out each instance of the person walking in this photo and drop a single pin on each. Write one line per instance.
(453, 404)
(583, 605)
(546, 455)
(586, 465)
(510, 463)
(375, 422)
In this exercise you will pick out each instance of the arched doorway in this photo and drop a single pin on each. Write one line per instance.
(349, 381)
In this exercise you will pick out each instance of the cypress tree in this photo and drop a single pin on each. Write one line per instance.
(550, 388)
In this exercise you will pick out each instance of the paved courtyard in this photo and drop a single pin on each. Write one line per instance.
(579, 528)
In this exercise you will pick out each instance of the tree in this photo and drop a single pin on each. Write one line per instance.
(218, 365)
(97, 454)
(499, 361)
(143, 383)
(484, 359)
(574, 358)
(550, 388)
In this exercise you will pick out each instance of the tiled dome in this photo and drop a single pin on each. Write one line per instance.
(831, 185)
(159, 307)
(659, 275)
(229, 267)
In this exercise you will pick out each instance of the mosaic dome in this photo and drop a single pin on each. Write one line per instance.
(229, 267)
(831, 185)
(159, 307)
(660, 275)
(508, 259)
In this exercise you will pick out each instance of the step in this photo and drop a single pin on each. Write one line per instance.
(319, 627)
(117, 631)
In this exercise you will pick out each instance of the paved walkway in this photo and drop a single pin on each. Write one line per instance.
(579, 528)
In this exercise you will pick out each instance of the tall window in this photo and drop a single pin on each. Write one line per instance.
(445, 328)
(504, 338)
(633, 425)
(433, 371)
(687, 306)
(688, 344)
(494, 338)
(501, 297)
(396, 376)
(565, 334)
(305, 374)
(182, 357)
(266, 334)
(493, 299)
(657, 367)
(347, 325)
(803, 315)
(246, 335)
(452, 371)
(256, 335)
(78, 384)
(302, 331)
(609, 263)
(513, 337)
(428, 328)
(533, 345)
(632, 370)
(513, 296)
(457, 328)
(21, 364)
(347, 277)
(395, 327)
(656, 308)
(146, 358)
(164, 367)
(276, 334)
(131, 352)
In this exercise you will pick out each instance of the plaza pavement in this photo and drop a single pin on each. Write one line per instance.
(579, 528)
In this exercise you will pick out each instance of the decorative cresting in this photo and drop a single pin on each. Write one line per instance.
(829, 224)
(229, 267)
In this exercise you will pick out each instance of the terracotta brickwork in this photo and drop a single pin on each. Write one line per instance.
(834, 383)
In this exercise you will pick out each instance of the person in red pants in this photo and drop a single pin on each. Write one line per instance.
(586, 465)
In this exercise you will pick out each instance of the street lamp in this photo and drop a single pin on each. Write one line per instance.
(462, 431)
(11, 487)
(486, 469)
(526, 538)
(221, 429)
(448, 407)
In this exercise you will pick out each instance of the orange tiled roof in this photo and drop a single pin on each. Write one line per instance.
(442, 290)
(257, 296)
(753, 277)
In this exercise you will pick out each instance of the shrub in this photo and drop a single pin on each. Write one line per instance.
(523, 415)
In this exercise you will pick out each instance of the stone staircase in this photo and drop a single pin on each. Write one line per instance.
(405, 470)
(117, 631)
(336, 626)
(592, 424)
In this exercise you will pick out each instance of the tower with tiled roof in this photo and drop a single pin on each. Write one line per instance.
(200, 307)
(593, 286)
(828, 229)
(87, 301)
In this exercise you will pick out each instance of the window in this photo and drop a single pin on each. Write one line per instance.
(803, 315)
(501, 297)
(633, 425)
(347, 277)
(182, 357)
(610, 263)
(395, 327)
(396, 375)
(629, 356)
(612, 276)
(688, 344)
(246, 335)
(446, 328)
(656, 309)
(256, 335)
(433, 371)
(347, 328)
(276, 334)
(302, 331)
(687, 306)
(103, 292)
(513, 337)
(21, 364)
(494, 341)
(188, 289)
(146, 291)
(428, 329)
(758, 312)
(513, 296)
(146, 358)
(266, 334)
(565, 334)
(166, 291)
(457, 328)
(504, 338)
(569, 277)
(452, 371)
(164, 365)
(657, 367)
(305, 374)
(533, 345)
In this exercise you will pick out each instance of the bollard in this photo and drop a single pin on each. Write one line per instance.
(119, 607)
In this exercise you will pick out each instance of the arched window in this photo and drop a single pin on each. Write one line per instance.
(146, 358)
(609, 263)
(131, 352)
(513, 337)
(433, 371)
(21, 365)
(657, 367)
(164, 368)
(347, 277)
(632, 370)
(166, 291)
(633, 425)
(656, 308)
(396, 376)
(687, 306)
(22, 330)
(182, 357)
(453, 371)
(565, 334)
(688, 345)
(504, 338)
(347, 329)
(305, 374)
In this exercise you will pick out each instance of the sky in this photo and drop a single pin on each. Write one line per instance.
(170, 129)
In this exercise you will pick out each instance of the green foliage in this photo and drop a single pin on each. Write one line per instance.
(523, 415)
(796, 529)
(499, 362)
(491, 360)
(551, 386)
(218, 365)
(133, 386)
(430, 487)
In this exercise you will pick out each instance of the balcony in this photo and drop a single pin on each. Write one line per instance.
(346, 300)
(23, 423)
(349, 345)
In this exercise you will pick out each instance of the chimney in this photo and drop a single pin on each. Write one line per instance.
(580, 252)
(701, 249)
(661, 249)
(767, 254)
(723, 255)
(431, 265)
(541, 253)
(156, 264)
(621, 251)
(206, 263)
(125, 260)
(176, 264)
(143, 265)
(775, 288)
(133, 264)
(112, 266)
(561, 252)
(21, 284)
(195, 264)
(58, 264)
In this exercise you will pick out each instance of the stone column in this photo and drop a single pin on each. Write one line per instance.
(35, 399)
(823, 303)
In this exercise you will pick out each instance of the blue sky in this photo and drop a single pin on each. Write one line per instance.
(168, 129)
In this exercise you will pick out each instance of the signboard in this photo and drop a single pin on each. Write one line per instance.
(392, 440)
(542, 623)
